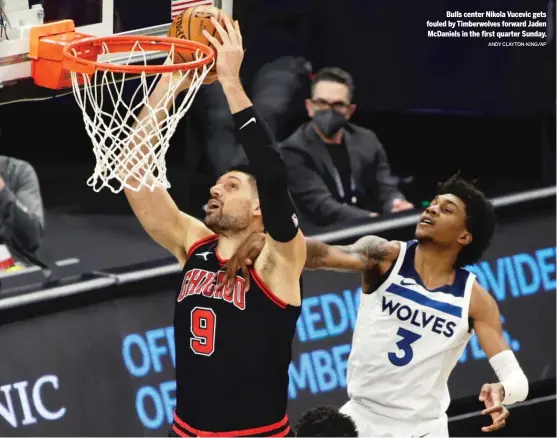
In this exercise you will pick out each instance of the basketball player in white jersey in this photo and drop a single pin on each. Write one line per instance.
(418, 310)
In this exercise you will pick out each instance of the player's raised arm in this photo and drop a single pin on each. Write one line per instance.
(157, 212)
(513, 384)
(277, 207)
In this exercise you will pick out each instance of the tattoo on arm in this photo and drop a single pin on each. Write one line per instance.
(369, 250)
(371, 247)
(316, 252)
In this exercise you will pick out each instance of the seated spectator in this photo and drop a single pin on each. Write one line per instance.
(274, 87)
(325, 421)
(21, 209)
(338, 172)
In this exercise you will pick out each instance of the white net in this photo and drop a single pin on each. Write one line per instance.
(130, 134)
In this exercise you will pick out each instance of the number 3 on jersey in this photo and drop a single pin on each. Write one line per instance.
(203, 328)
(404, 345)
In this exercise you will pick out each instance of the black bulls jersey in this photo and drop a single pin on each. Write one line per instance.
(232, 353)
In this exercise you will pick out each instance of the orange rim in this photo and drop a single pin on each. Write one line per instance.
(75, 52)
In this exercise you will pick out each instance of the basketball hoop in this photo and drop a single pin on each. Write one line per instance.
(130, 152)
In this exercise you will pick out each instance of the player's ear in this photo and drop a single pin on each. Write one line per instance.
(465, 238)
(256, 208)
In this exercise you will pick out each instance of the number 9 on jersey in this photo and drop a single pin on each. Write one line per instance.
(203, 330)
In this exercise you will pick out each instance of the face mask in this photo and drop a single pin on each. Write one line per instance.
(329, 121)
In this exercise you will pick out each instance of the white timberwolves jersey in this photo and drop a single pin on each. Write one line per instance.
(406, 342)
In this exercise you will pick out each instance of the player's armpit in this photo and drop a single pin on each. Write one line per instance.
(164, 222)
(281, 268)
(289, 255)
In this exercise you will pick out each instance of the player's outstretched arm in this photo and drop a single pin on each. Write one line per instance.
(365, 254)
(156, 211)
(372, 255)
(513, 384)
(319, 256)
(285, 240)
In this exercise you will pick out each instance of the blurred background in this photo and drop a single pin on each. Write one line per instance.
(90, 310)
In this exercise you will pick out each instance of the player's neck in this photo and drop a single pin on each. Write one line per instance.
(229, 243)
(435, 265)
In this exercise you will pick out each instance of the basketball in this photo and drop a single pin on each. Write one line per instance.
(189, 25)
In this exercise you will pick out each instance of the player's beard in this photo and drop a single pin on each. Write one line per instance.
(221, 223)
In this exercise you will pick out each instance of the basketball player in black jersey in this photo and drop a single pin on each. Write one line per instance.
(233, 348)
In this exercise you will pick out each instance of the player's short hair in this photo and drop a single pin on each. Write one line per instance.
(246, 169)
(480, 217)
(325, 421)
(334, 74)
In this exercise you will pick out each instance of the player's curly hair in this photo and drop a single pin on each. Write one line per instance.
(325, 421)
(480, 217)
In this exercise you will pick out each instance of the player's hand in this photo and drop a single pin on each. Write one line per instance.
(244, 257)
(492, 394)
(230, 52)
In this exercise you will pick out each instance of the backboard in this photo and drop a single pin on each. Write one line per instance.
(92, 17)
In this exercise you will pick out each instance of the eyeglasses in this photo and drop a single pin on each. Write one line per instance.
(323, 104)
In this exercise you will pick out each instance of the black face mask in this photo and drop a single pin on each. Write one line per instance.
(329, 121)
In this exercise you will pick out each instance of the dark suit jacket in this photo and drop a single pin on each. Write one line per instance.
(315, 183)
(21, 208)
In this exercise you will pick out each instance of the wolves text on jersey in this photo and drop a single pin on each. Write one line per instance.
(419, 318)
(201, 282)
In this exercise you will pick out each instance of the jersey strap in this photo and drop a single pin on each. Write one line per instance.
(200, 243)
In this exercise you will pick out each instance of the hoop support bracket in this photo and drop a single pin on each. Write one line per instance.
(47, 43)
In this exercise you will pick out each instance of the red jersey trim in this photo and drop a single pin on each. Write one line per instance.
(179, 432)
(246, 432)
(203, 241)
(220, 259)
(267, 290)
(200, 242)
(284, 432)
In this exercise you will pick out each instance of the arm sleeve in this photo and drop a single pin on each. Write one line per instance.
(21, 209)
(267, 165)
(313, 196)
